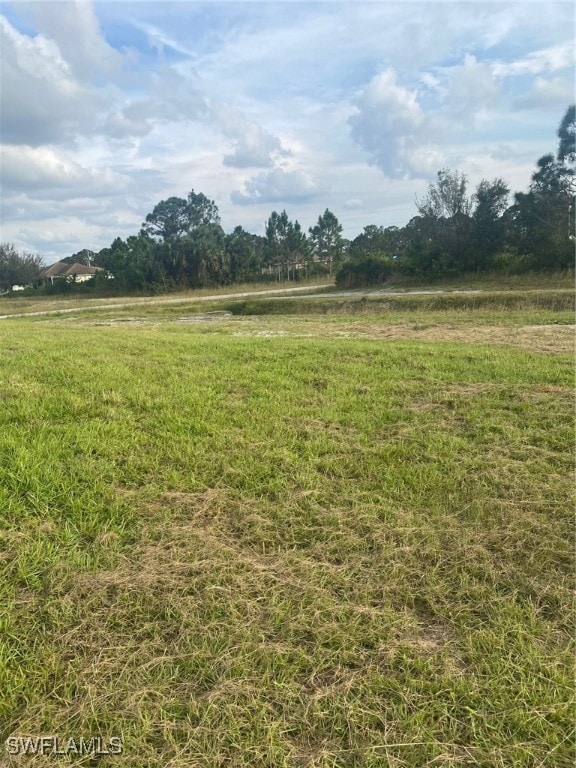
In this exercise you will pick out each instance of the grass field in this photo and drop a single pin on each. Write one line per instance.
(327, 539)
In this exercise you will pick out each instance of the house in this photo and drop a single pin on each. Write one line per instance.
(77, 273)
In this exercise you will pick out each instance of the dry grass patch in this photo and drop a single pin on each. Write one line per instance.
(551, 339)
(214, 643)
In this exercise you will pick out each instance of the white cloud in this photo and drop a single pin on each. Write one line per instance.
(471, 89)
(170, 99)
(276, 186)
(132, 121)
(547, 92)
(73, 27)
(414, 131)
(47, 169)
(389, 124)
(40, 100)
(59, 236)
(252, 145)
(47, 96)
(516, 170)
(552, 59)
(159, 40)
(505, 152)
(350, 106)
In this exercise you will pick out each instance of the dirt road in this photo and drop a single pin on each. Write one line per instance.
(153, 301)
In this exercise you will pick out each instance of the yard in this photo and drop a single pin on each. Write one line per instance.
(326, 539)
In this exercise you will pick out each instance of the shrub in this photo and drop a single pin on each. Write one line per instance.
(366, 270)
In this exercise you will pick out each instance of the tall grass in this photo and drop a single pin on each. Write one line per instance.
(493, 301)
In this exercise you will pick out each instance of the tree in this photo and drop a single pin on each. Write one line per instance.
(372, 240)
(455, 232)
(201, 210)
(196, 260)
(539, 226)
(208, 249)
(377, 241)
(567, 136)
(18, 268)
(177, 217)
(566, 156)
(277, 228)
(446, 223)
(85, 256)
(133, 263)
(541, 221)
(287, 246)
(246, 254)
(326, 240)
(422, 255)
(489, 222)
(447, 198)
(168, 219)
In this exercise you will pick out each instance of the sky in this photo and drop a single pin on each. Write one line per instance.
(107, 108)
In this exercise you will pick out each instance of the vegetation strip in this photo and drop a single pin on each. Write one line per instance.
(178, 300)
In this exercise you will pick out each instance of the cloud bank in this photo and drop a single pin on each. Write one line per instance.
(107, 108)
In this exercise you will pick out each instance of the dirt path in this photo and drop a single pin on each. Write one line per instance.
(181, 300)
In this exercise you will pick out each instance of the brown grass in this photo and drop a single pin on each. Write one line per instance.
(550, 339)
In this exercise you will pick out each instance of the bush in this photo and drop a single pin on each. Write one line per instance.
(366, 270)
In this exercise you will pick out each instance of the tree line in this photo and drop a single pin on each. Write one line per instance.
(182, 244)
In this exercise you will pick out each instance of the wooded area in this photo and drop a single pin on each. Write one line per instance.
(182, 244)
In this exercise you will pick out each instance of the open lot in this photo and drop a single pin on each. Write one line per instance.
(283, 533)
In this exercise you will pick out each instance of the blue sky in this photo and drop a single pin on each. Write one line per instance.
(109, 107)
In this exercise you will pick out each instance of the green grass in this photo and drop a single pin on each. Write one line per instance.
(289, 541)
(498, 281)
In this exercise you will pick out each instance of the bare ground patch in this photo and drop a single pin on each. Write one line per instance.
(551, 339)
(538, 338)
